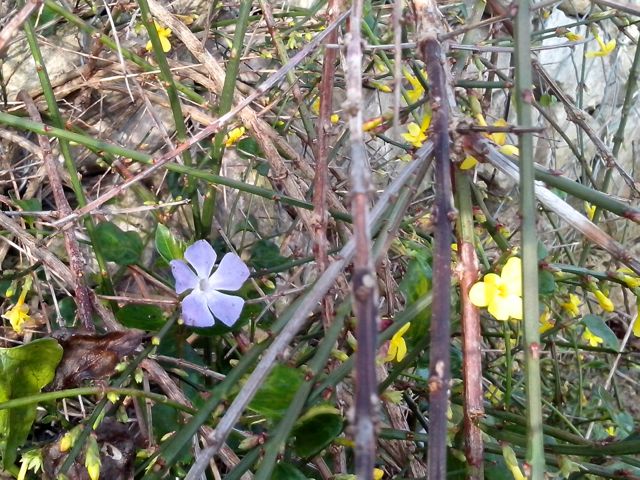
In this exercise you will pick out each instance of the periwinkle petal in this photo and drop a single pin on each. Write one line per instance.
(226, 308)
(195, 311)
(201, 256)
(184, 276)
(230, 274)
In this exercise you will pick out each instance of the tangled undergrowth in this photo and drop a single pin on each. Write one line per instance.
(379, 240)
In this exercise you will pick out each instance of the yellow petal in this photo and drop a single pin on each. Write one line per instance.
(377, 474)
(510, 150)
(468, 163)
(315, 106)
(636, 324)
(402, 350)
(335, 118)
(499, 137)
(414, 129)
(166, 44)
(512, 276)
(402, 330)
(573, 37)
(604, 301)
(426, 121)
(391, 352)
(477, 294)
(499, 308)
(515, 306)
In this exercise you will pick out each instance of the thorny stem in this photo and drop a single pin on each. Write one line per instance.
(471, 332)
(77, 264)
(429, 23)
(523, 98)
(364, 282)
(320, 218)
(295, 323)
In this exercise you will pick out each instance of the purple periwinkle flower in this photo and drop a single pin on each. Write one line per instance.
(205, 300)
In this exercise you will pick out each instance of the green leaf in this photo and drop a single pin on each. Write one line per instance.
(123, 248)
(598, 327)
(143, 317)
(24, 371)
(68, 309)
(286, 471)
(415, 284)
(266, 254)
(542, 251)
(277, 392)
(168, 246)
(316, 429)
(546, 282)
(547, 100)
(248, 147)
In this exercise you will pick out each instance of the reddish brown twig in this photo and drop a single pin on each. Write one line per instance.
(76, 261)
(364, 282)
(472, 366)
(430, 24)
(321, 178)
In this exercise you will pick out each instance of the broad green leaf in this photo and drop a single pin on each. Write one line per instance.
(286, 471)
(275, 395)
(248, 147)
(168, 246)
(123, 248)
(24, 371)
(266, 254)
(542, 251)
(415, 284)
(597, 326)
(143, 317)
(316, 429)
(546, 282)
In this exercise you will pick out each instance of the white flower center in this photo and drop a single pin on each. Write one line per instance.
(203, 284)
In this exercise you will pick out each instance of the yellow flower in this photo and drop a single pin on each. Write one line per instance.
(19, 313)
(417, 133)
(545, 321)
(417, 90)
(397, 345)
(371, 124)
(510, 150)
(573, 37)
(501, 294)
(605, 48)
(315, 108)
(604, 301)
(636, 323)
(499, 137)
(92, 458)
(512, 462)
(593, 340)
(629, 277)
(468, 163)
(590, 209)
(233, 136)
(377, 474)
(164, 34)
(572, 306)
(611, 430)
(494, 395)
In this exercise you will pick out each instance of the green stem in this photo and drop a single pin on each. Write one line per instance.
(224, 106)
(531, 339)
